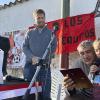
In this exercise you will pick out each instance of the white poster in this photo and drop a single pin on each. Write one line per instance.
(16, 57)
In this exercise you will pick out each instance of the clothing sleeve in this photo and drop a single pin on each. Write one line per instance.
(26, 48)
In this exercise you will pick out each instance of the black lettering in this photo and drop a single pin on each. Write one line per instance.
(81, 36)
(79, 20)
(76, 20)
(92, 32)
(86, 33)
(75, 39)
(72, 21)
(69, 40)
(64, 40)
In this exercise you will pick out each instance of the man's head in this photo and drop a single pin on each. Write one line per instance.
(96, 45)
(86, 51)
(39, 16)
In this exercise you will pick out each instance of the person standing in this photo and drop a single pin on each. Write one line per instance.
(34, 47)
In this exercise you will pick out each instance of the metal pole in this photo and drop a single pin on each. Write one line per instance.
(64, 58)
(65, 11)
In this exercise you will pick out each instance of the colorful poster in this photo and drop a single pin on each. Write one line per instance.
(16, 57)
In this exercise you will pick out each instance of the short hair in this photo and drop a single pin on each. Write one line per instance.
(38, 11)
(85, 44)
(96, 43)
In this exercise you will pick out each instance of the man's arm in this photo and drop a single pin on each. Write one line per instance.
(26, 48)
(69, 84)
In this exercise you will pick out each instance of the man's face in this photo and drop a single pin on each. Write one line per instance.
(87, 55)
(40, 20)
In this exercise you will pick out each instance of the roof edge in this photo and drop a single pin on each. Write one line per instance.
(12, 4)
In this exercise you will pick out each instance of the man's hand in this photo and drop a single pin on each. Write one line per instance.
(68, 83)
(41, 62)
(35, 60)
(93, 69)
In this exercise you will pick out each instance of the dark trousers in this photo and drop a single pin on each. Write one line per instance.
(4, 68)
(44, 76)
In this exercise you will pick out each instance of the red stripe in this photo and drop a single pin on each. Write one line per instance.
(17, 86)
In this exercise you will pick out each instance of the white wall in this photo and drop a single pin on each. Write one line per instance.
(19, 16)
(78, 7)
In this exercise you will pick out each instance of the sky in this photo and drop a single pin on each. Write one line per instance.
(2, 2)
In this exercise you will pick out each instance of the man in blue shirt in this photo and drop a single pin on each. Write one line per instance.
(34, 47)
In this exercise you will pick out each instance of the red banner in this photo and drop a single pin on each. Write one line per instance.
(73, 30)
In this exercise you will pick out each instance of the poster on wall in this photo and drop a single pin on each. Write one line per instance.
(16, 57)
(73, 30)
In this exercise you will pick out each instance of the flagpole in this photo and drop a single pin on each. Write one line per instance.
(65, 11)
